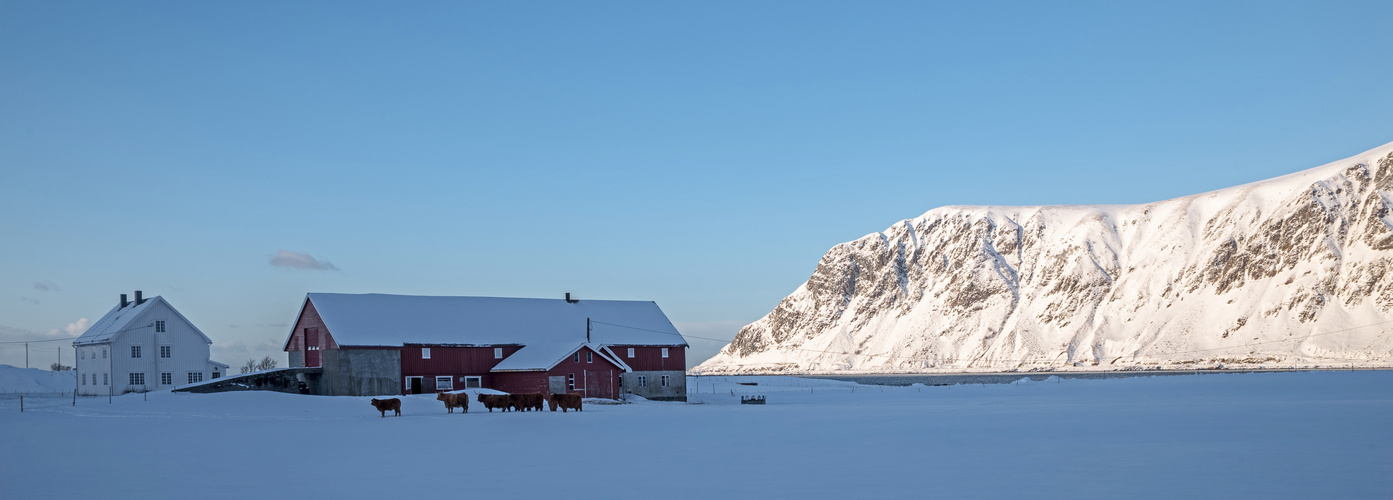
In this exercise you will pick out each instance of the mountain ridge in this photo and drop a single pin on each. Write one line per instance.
(1168, 284)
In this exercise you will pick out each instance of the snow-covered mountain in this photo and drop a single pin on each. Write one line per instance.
(1292, 271)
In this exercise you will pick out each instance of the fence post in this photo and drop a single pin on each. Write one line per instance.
(21, 403)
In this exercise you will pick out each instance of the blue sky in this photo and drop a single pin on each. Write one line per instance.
(703, 156)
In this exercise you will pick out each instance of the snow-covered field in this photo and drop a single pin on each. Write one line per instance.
(1262, 435)
(14, 379)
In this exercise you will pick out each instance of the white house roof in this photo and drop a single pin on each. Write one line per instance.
(119, 320)
(393, 320)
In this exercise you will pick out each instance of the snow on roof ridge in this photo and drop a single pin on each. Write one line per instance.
(387, 319)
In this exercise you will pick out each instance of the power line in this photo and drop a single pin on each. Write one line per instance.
(36, 341)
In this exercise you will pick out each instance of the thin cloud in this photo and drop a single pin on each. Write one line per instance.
(297, 260)
(30, 300)
(46, 286)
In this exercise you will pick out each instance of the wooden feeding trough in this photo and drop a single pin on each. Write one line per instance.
(751, 400)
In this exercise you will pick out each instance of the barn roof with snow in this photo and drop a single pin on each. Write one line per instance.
(546, 326)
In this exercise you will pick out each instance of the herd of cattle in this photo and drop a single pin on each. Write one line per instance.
(505, 402)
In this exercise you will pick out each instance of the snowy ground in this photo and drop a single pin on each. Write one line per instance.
(14, 380)
(1265, 435)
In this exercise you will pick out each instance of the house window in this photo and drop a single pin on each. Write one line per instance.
(84, 379)
(135, 351)
(576, 357)
(137, 379)
(664, 352)
(589, 357)
(631, 352)
(166, 378)
(164, 351)
(159, 326)
(570, 381)
(498, 353)
(103, 378)
(473, 382)
(643, 381)
(103, 353)
(445, 383)
(425, 353)
(83, 354)
(195, 377)
(215, 374)
(665, 380)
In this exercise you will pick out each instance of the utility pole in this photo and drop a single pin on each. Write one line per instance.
(26, 353)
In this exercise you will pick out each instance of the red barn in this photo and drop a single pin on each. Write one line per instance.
(374, 344)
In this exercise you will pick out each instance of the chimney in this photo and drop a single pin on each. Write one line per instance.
(568, 299)
(123, 301)
(138, 299)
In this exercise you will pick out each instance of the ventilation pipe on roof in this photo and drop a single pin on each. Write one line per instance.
(123, 301)
(138, 299)
(569, 300)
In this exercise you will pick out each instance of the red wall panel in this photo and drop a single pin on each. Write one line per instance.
(648, 358)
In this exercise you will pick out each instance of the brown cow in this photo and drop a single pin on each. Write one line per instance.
(565, 401)
(383, 405)
(535, 400)
(527, 401)
(492, 401)
(454, 400)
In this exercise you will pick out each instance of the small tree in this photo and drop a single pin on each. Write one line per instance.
(59, 367)
(266, 364)
(250, 366)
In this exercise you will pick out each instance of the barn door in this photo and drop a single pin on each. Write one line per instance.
(311, 347)
(598, 384)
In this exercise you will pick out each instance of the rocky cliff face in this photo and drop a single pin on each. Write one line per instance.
(1293, 271)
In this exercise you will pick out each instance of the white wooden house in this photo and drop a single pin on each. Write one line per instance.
(142, 345)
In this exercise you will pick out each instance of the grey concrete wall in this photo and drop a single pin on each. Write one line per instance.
(297, 359)
(361, 372)
(675, 391)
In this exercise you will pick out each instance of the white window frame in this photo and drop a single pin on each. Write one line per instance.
(84, 353)
(570, 381)
(195, 377)
(472, 382)
(159, 326)
(445, 379)
(425, 353)
(498, 353)
(631, 352)
(665, 380)
(166, 351)
(84, 379)
(166, 378)
(104, 381)
(589, 357)
(664, 352)
(103, 353)
(642, 381)
(136, 378)
(576, 358)
(135, 352)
